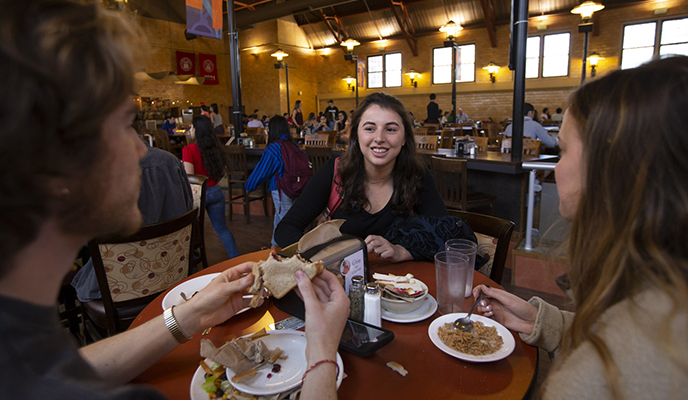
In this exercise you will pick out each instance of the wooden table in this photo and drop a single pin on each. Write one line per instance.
(432, 373)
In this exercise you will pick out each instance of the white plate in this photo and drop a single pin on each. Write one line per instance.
(425, 311)
(173, 297)
(294, 345)
(507, 337)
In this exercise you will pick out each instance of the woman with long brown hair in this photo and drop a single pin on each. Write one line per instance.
(622, 183)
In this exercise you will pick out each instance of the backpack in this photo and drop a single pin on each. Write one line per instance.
(297, 170)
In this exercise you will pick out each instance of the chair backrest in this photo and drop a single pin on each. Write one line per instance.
(420, 131)
(447, 141)
(481, 143)
(318, 155)
(133, 270)
(426, 142)
(432, 127)
(236, 157)
(487, 229)
(220, 130)
(253, 130)
(493, 131)
(473, 131)
(451, 178)
(531, 147)
(316, 139)
(199, 185)
(164, 140)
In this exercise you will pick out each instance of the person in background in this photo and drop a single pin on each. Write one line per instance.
(343, 128)
(444, 117)
(311, 122)
(265, 120)
(205, 111)
(628, 262)
(544, 116)
(271, 166)
(207, 157)
(215, 115)
(351, 114)
(164, 194)
(558, 116)
(533, 129)
(322, 125)
(331, 111)
(297, 115)
(461, 117)
(433, 111)
(380, 178)
(254, 122)
(169, 125)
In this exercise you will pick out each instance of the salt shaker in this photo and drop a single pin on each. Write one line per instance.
(356, 298)
(372, 312)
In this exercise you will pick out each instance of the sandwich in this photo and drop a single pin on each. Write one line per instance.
(277, 275)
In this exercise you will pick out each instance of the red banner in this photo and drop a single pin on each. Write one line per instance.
(208, 68)
(186, 63)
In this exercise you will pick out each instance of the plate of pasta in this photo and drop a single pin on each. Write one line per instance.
(489, 340)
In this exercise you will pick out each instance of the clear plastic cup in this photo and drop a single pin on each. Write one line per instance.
(450, 276)
(469, 249)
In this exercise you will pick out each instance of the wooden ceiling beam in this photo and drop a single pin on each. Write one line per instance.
(405, 20)
(489, 14)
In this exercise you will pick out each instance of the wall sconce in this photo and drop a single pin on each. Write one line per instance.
(492, 69)
(350, 81)
(593, 59)
(587, 9)
(350, 44)
(451, 29)
(279, 55)
(413, 75)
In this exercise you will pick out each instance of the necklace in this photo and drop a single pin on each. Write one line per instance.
(379, 181)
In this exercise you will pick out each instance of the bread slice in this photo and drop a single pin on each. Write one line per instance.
(278, 273)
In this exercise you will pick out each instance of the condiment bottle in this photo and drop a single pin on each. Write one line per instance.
(372, 312)
(356, 298)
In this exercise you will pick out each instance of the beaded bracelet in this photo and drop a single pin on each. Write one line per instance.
(320, 363)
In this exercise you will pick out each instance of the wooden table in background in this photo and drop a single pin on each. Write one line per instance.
(432, 373)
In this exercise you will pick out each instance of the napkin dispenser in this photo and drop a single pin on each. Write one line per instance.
(345, 256)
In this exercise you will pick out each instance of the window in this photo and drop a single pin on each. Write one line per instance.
(442, 64)
(554, 54)
(640, 41)
(384, 70)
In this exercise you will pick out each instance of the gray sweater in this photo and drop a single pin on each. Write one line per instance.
(647, 371)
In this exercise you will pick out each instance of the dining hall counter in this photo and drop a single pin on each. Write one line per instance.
(431, 373)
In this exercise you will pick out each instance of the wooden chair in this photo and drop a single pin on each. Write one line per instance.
(493, 132)
(316, 139)
(420, 131)
(318, 155)
(427, 142)
(258, 135)
(237, 175)
(481, 144)
(198, 188)
(494, 228)
(134, 270)
(451, 178)
(473, 131)
(447, 140)
(531, 147)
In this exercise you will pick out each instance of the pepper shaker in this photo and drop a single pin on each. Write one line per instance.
(356, 298)
(372, 312)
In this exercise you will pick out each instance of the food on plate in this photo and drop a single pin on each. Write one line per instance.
(481, 341)
(400, 287)
(244, 356)
(277, 275)
(395, 366)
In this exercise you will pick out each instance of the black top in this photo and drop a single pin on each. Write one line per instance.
(39, 359)
(433, 113)
(314, 199)
(332, 112)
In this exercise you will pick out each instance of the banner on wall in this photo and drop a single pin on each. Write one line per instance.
(204, 18)
(208, 68)
(361, 71)
(458, 65)
(186, 63)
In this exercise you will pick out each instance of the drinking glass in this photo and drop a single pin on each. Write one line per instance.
(450, 277)
(469, 249)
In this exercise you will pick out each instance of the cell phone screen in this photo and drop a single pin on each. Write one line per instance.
(359, 335)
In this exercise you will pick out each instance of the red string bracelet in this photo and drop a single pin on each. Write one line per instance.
(320, 363)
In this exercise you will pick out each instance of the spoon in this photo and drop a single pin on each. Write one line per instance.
(465, 324)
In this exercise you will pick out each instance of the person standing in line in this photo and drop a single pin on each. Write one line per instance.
(271, 166)
(207, 157)
(297, 115)
(433, 111)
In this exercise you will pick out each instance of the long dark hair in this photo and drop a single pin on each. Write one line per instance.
(408, 169)
(343, 122)
(629, 230)
(212, 154)
(278, 126)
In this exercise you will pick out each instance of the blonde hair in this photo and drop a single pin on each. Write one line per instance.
(630, 227)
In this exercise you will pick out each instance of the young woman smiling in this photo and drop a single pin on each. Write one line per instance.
(378, 179)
